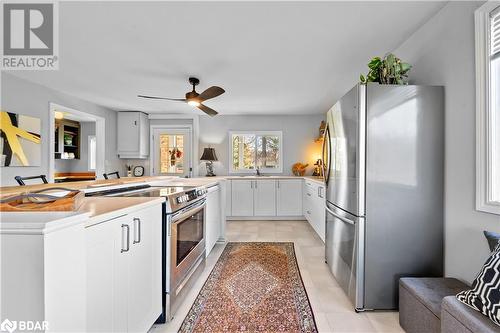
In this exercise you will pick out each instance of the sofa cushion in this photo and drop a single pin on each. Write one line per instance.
(457, 317)
(485, 293)
(431, 291)
(493, 238)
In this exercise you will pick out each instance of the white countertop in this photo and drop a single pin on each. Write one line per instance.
(98, 209)
(93, 210)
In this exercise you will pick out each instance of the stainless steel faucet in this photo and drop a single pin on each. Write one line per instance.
(257, 170)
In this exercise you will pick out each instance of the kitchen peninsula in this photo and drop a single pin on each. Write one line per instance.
(71, 260)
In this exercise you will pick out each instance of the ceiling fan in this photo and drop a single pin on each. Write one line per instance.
(195, 99)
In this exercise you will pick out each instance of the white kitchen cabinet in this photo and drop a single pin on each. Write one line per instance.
(213, 218)
(124, 272)
(42, 264)
(133, 135)
(289, 197)
(264, 197)
(314, 206)
(106, 277)
(242, 198)
(144, 269)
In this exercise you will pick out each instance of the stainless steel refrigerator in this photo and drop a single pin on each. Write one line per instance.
(383, 157)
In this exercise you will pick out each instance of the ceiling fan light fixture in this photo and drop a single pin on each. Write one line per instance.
(194, 103)
(194, 99)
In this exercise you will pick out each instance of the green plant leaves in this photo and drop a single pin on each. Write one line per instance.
(389, 70)
(405, 67)
(375, 63)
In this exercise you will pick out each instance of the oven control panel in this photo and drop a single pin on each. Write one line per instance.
(181, 199)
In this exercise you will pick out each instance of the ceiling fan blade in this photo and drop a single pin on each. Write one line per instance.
(165, 98)
(211, 92)
(207, 110)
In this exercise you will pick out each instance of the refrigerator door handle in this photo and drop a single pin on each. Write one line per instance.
(326, 164)
(344, 219)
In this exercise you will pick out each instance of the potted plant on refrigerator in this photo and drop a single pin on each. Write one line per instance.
(389, 70)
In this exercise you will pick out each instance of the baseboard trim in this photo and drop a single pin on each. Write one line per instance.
(265, 218)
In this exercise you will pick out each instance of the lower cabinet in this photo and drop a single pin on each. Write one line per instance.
(124, 272)
(314, 206)
(242, 197)
(213, 218)
(265, 198)
(289, 197)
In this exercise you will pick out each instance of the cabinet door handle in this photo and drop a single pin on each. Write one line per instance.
(127, 228)
(320, 192)
(278, 183)
(137, 221)
(251, 184)
(309, 194)
(255, 184)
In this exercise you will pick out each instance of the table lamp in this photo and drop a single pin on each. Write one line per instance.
(209, 156)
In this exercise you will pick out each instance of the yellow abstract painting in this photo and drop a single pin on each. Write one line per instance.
(20, 140)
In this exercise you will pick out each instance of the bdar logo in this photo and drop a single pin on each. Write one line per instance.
(8, 326)
(28, 29)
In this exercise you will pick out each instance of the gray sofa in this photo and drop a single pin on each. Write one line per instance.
(429, 305)
(457, 317)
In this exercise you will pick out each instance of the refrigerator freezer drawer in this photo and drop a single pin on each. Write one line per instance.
(345, 253)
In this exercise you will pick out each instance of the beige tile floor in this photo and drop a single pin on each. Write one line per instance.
(332, 309)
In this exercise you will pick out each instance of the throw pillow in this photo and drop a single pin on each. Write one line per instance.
(485, 293)
(493, 239)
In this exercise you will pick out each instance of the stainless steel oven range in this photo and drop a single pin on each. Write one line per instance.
(183, 237)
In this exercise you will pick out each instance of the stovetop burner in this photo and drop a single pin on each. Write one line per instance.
(177, 197)
(157, 191)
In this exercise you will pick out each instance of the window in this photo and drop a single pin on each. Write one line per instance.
(487, 20)
(172, 153)
(257, 149)
(92, 152)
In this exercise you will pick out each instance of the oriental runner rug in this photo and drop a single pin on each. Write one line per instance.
(254, 287)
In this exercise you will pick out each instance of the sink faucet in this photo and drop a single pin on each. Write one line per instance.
(257, 170)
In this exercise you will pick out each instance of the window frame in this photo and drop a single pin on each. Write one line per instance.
(90, 138)
(279, 169)
(484, 115)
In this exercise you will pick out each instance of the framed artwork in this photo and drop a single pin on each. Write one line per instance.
(20, 140)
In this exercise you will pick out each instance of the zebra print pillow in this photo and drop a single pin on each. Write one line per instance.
(485, 293)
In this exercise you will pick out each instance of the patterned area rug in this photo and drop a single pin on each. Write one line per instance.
(254, 287)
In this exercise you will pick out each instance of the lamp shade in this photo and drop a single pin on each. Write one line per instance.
(208, 155)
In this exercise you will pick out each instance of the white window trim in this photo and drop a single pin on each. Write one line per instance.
(483, 116)
(279, 169)
(89, 140)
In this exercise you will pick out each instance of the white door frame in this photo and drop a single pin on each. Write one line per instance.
(167, 128)
(100, 126)
(194, 134)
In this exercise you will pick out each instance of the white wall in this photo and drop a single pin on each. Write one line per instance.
(299, 133)
(24, 97)
(442, 53)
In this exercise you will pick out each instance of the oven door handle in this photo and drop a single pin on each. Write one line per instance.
(181, 216)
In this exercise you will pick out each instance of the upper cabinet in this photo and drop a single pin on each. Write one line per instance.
(133, 135)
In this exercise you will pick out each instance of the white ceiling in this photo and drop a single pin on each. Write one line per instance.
(271, 57)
